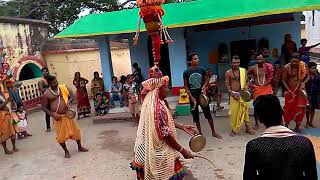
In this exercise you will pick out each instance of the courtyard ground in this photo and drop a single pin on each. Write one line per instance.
(111, 150)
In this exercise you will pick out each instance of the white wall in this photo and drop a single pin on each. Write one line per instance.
(312, 32)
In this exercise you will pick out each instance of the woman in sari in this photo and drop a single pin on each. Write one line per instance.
(156, 148)
(83, 104)
(97, 86)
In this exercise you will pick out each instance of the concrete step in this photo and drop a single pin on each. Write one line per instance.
(173, 101)
(112, 118)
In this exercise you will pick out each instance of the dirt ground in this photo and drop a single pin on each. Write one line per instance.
(111, 150)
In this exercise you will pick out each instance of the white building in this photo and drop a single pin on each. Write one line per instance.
(312, 25)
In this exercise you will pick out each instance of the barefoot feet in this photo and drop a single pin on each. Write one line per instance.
(82, 149)
(298, 130)
(67, 155)
(256, 127)
(214, 134)
(249, 131)
(310, 125)
(8, 152)
(232, 134)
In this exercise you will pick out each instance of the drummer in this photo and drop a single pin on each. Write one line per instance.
(236, 80)
(195, 82)
(58, 99)
(261, 76)
(294, 76)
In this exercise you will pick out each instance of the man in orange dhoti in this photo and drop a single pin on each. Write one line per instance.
(58, 99)
(6, 127)
(261, 76)
(294, 76)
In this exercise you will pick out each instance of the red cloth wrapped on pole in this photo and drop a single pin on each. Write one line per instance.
(151, 12)
(156, 43)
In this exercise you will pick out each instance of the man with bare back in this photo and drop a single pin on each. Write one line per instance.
(56, 102)
(7, 130)
(261, 76)
(235, 81)
(294, 76)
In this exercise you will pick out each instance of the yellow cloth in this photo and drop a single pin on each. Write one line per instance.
(6, 127)
(238, 113)
(302, 70)
(64, 93)
(66, 129)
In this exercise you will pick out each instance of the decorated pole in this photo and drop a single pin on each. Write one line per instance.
(151, 12)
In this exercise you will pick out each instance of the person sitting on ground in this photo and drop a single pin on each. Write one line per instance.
(279, 153)
(101, 104)
(304, 50)
(116, 92)
(213, 88)
(313, 92)
(22, 122)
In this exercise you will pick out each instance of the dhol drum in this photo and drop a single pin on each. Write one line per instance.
(197, 143)
(246, 95)
(203, 100)
(71, 114)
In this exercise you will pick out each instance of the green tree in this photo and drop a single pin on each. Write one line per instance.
(61, 13)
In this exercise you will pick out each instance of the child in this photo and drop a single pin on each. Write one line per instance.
(213, 88)
(304, 50)
(313, 92)
(133, 100)
(101, 105)
(22, 123)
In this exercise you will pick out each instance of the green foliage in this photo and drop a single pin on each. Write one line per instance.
(61, 13)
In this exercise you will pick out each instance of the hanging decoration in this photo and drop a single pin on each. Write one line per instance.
(151, 12)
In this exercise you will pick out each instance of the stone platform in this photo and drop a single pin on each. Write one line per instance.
(122, 114)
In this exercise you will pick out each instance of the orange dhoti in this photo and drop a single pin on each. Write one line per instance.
(294, 108)
(66, 129)
(6, 127)
(261, 90)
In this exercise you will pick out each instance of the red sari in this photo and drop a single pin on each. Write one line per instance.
(83, 104)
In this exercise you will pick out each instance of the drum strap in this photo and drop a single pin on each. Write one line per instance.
(59, 101)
